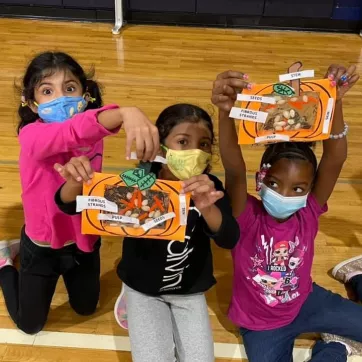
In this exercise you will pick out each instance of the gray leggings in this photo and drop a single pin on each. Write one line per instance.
(159, 325)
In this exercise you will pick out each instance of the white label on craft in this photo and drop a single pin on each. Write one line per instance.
(118, 218)
(254, 98)
(158, 159)
(296, 75)
(95, 203)
(158, 220)
(248, 115)
(183, 213)
(272, 137)
(328, 116)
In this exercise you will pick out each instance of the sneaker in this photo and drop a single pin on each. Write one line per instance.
(8, 251)
(353, 348)
(347, 269)
(120, 310)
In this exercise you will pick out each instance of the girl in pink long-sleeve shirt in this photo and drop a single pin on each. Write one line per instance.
(61, 117)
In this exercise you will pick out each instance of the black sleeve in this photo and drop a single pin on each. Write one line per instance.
(70, 209)
(229, 232)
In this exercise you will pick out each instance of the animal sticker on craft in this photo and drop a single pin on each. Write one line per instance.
(134, 204)
(298, 111)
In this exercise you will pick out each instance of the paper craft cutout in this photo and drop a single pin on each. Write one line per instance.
(158, 212)
(302, 111)
(283, 89)
(139, 177)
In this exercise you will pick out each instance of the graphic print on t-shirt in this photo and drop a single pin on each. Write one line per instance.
(274, 270)
(178, 255)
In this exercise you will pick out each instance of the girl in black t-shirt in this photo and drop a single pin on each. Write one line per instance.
(165, 281)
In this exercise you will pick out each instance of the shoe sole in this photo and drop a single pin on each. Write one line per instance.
(115, 308)
(343, 263)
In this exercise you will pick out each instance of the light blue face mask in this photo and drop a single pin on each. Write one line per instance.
(61, 109)
(278, 206)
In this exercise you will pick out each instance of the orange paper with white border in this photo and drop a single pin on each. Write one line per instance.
(160, 199)
(318, 91)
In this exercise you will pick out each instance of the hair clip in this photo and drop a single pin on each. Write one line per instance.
(24, 103)
(261, 175)
(89, 98)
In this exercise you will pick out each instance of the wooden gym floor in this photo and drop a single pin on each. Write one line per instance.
(153, 67)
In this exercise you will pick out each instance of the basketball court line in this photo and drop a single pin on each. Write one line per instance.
(119, 343)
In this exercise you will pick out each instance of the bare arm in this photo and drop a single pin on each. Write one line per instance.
(334, 150)
(224, 95)
(233, 162)
(69, 191)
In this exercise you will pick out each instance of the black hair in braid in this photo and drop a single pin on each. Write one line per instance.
(291, 151)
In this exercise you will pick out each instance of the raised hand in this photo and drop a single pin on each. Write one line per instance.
(226, 87)
(203, 192)
(77, 170)
(343, 78)
(143, 132)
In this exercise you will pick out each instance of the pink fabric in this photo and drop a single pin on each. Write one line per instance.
(272, 266)
(43, 145)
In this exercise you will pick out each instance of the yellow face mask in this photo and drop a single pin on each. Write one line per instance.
(185, 164)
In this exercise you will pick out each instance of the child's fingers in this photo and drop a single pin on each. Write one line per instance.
(341, 76)
(61, 170)
(351, 70)
(129, 141)
(81, 173)
(193, 182)
(140, 143)
(221, 98)
(233, 83)
(345, 79)
(232, 74)
(217, 195)
(87, 167)
(148, 146)
(237, 83)
(353, 80)
(58, 167)
(156, 142)
(332, 72)
(201, 189)
(73, 172)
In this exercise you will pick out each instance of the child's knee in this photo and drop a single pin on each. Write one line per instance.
(30, 328)
(85, 308)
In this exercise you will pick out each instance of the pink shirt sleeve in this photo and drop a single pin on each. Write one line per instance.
(41, 140)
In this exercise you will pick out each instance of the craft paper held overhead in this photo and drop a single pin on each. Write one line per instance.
(304, 117)
(159, 212)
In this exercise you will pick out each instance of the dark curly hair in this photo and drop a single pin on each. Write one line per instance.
(44, 65)
(290, 150)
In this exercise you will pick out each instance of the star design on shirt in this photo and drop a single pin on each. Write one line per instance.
(257, 262)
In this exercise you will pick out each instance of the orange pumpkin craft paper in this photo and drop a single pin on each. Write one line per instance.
(281, 112)
(111, 206)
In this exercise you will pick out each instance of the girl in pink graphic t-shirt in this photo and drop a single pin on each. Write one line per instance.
(274, 299)
(61, 117)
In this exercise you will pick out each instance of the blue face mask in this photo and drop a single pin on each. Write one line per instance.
(61, 109)
(278, 206)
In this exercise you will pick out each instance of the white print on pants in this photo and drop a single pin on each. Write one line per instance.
(169, 328)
